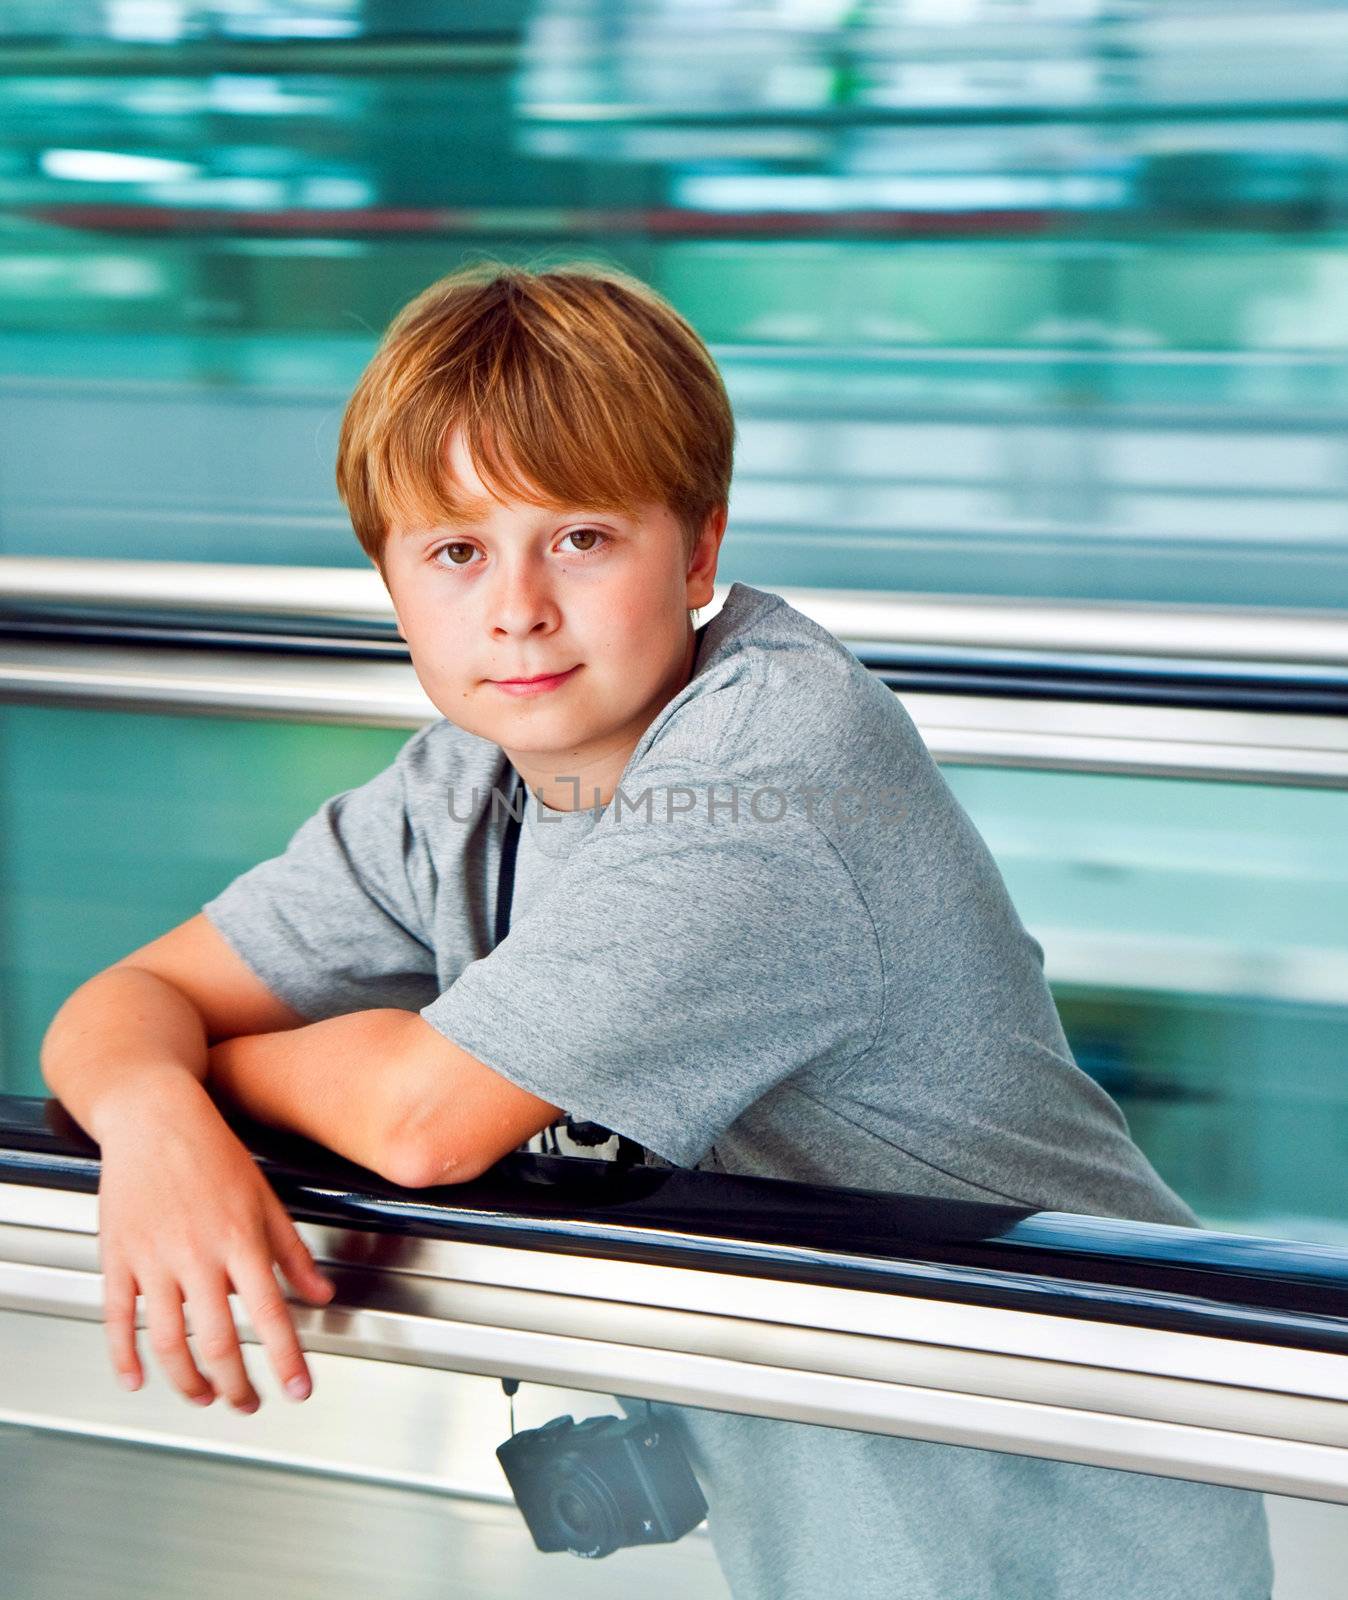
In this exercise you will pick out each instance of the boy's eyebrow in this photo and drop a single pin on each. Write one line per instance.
(469, 521)
(440, 522)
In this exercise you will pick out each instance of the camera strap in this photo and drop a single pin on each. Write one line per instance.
(505, 886)
(512, 1387)
(629, 1153)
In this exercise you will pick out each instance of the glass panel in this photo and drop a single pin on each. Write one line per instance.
(1193, 932)
(114, 828)
(1196, 941)
(1033, 299)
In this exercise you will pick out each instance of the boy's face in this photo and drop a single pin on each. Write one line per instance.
(600, 597)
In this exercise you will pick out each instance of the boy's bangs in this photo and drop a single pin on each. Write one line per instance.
(572, 390)
(420, 491)
(539, 430)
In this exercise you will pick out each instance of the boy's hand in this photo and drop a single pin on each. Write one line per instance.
(185, 1216)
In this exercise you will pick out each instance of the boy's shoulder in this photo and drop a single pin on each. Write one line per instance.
(775, 690)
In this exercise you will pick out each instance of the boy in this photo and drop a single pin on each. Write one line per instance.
(751, 930)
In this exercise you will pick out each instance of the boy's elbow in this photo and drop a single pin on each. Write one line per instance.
(424, 1147)
(456, 1116)
(421, 1164)
(404, 1166)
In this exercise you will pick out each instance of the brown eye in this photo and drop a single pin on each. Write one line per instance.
(587, 533)
(457, 545)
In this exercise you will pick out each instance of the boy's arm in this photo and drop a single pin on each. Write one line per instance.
(139, 1030)
(382, 1088)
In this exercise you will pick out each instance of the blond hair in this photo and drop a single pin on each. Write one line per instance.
(579, 379)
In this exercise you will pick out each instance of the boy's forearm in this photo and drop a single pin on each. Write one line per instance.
(342, 1082)
(123, 1041)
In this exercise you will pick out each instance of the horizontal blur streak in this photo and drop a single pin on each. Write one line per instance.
(1031, 315)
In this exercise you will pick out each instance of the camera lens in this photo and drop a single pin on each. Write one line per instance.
(587, 1513)
(574, 1514)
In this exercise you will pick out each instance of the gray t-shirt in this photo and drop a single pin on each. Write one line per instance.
(782, 949)
(811, 997)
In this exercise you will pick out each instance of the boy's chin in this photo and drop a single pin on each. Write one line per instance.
(541, 738)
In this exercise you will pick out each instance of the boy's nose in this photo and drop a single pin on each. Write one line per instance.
(522, 603)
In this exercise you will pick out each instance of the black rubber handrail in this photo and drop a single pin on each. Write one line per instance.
(1186, 1280)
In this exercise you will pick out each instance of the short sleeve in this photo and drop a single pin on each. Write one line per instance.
(666, 979)
(332, 924)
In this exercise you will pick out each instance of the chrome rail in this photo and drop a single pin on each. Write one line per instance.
(696, 1289)
(355, 598)
(320, 644)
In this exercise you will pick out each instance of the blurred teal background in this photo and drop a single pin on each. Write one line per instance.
(1193, 932)
(1027, 299)
(1011, 298)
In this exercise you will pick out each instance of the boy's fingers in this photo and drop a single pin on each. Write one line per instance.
(168, 1338)
(260, 1292)
(119, 1320)
(216, 1341)
(295, 1258)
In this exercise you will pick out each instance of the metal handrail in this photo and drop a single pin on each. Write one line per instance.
(1089, 687)
(237, 596)
(306, 679)
(1034, 1333)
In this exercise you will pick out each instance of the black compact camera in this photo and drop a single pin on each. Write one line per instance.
(596, 1486)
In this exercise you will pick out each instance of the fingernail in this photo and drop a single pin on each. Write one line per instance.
(298, 1388)
(250, 1408)
(203, 1399)
(128, 1380)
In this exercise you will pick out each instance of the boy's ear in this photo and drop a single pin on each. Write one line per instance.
(702, 566)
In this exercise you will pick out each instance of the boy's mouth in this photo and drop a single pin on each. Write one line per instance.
(537, 685)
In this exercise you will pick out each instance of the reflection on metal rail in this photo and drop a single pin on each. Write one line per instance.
(354, 600)
(1164, 1350)
(1174, 691)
